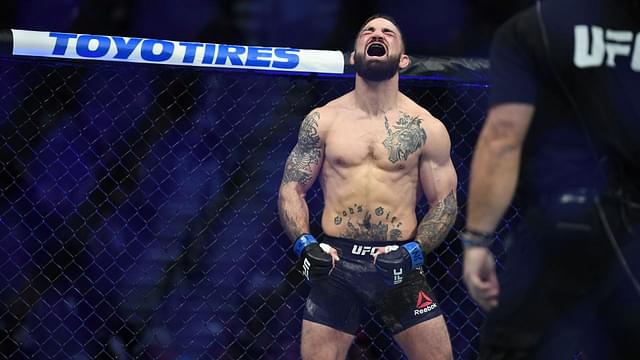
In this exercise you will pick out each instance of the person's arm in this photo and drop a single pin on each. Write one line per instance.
(301, 170)
(514, 72)
(438, 180)
(494, 175)
(495, 165)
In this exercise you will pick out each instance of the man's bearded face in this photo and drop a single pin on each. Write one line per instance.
(376, 64)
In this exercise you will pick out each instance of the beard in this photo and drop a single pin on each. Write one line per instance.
(378, 70)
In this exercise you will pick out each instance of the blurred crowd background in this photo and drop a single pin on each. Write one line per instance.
(430, 27)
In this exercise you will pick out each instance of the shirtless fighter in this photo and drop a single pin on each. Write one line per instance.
(375, 151)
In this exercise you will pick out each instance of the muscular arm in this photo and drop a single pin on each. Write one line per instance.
(439, 180)
(495, 165)
(301, 170)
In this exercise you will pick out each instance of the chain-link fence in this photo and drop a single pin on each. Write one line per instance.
(138, 214)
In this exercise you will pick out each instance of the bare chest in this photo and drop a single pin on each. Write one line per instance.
(386, 143)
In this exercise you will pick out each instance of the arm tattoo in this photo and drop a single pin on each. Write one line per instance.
(435, 226)
(290, 225)
(306, 153)
(406, 137)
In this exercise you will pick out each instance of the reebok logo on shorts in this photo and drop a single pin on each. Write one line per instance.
(424, 304)
(423, 300)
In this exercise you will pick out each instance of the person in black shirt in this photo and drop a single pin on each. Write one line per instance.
(562, 140)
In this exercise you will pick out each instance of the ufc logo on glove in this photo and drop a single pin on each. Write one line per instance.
(397, 276)
(306, 265)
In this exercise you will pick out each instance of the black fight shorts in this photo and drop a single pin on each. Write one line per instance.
(339, 301)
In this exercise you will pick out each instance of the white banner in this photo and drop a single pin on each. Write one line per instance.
(152, 51)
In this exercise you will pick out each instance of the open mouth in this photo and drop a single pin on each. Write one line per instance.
(376, 49)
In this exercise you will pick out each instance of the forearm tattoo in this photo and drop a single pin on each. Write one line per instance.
(306, 153)
(436, 224)
(289, 224)
(406, 137)
(377, 226)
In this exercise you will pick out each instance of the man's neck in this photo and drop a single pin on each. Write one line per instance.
(376, 97)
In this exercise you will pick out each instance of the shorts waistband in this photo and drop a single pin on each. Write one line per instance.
(358, 248)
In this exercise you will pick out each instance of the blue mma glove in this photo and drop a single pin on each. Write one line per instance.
(395, 262)
(317, 262)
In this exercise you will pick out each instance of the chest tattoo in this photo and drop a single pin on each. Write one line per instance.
(404, 138)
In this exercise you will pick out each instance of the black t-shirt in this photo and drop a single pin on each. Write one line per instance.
(586, 80)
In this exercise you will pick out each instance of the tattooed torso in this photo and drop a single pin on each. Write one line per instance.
(373, 170)
(370, 174)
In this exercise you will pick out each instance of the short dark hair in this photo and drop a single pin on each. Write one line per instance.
(388, 18)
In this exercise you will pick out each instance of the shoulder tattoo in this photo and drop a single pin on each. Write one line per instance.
(306, 153)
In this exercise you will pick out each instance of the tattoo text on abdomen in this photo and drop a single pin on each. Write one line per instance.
(379, 225)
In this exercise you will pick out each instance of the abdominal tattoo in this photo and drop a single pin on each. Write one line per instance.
(406, 137)
(376, 226)
(306, 153)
